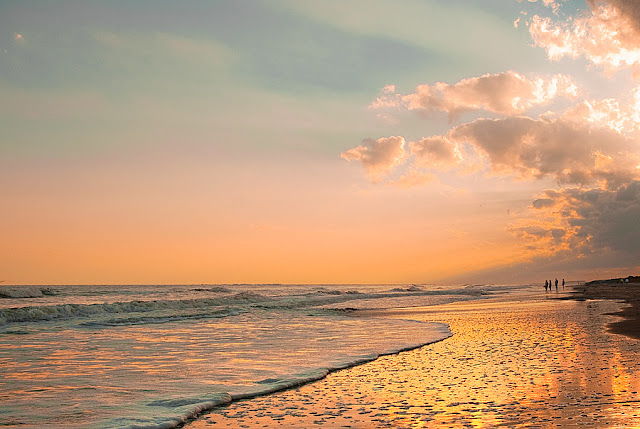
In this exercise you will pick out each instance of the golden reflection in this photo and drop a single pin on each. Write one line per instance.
(547, 364)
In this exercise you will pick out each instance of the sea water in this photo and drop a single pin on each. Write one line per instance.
(155, 356)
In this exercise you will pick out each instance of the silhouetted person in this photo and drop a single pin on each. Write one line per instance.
(556, 283)
(562, 283)
(546, 285)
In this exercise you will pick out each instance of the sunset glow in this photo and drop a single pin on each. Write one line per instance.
(295, 142)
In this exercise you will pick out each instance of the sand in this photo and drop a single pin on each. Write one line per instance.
(626, 292)
(547, 363)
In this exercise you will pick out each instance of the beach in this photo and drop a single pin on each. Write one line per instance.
(618, 291)
(319, 214)
(533, 363)
(154, 356)
(294, 356)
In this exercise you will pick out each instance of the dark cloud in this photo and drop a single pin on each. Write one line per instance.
(609, 36)
(586, 221)
(542, 203)
(589, 150)
(629, 11)
(607, 219)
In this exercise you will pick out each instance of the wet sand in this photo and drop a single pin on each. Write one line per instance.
(627, 292)
(539, 364)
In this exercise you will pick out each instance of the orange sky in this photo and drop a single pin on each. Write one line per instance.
(401, 143)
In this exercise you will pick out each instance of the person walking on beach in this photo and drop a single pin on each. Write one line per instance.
(546, 284)
(562, 284)
(556, 283)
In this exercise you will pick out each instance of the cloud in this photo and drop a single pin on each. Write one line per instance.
(570, 151)
(586, 220)
(435, 152)
(415, 177)
(379, 156)
(590, 150)
(591, 144)
(608, 36)
(507, 93)
(608, 113)
(607, 219)
(541, 203)
(387, 98)
(629, 10)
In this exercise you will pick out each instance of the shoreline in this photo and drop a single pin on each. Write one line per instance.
(193, 418)
(629, 293)
(516, 363)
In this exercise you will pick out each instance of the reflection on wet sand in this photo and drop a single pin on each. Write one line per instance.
(541, 364)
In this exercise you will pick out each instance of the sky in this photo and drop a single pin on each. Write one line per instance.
(287, 141)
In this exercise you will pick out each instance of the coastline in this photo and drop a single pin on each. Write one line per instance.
(192, 418)
(526, 363)
(618, 291)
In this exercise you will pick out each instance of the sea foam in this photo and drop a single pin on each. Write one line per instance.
(173, 352)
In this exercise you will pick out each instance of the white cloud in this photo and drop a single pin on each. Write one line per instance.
(609, 113)
(415, 177)
(608, 36)
(591, 144)
(387, 98)
(590, 150)
(379, 156)
(570, 151)
(507, 93)
(435, 152)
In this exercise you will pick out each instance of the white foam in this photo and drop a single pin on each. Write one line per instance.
(440, 331)
(169, 309)
(188, 408)
(159, 311)
(167, 360)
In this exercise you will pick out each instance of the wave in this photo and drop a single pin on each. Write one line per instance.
(159, 311)
(173, 309)
(162, 318)
(187, 409)
(26, 292)
(412, 288)
(216, 289)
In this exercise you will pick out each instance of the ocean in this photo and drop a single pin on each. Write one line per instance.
(154, 356)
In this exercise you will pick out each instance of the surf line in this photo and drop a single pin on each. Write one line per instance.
(276, 386)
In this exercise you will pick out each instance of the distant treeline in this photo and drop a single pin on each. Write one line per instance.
(630, 279)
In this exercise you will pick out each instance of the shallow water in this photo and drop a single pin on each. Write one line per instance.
(528, 362)
(112, 357)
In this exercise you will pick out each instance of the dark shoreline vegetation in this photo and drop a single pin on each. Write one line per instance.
(625, 289)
